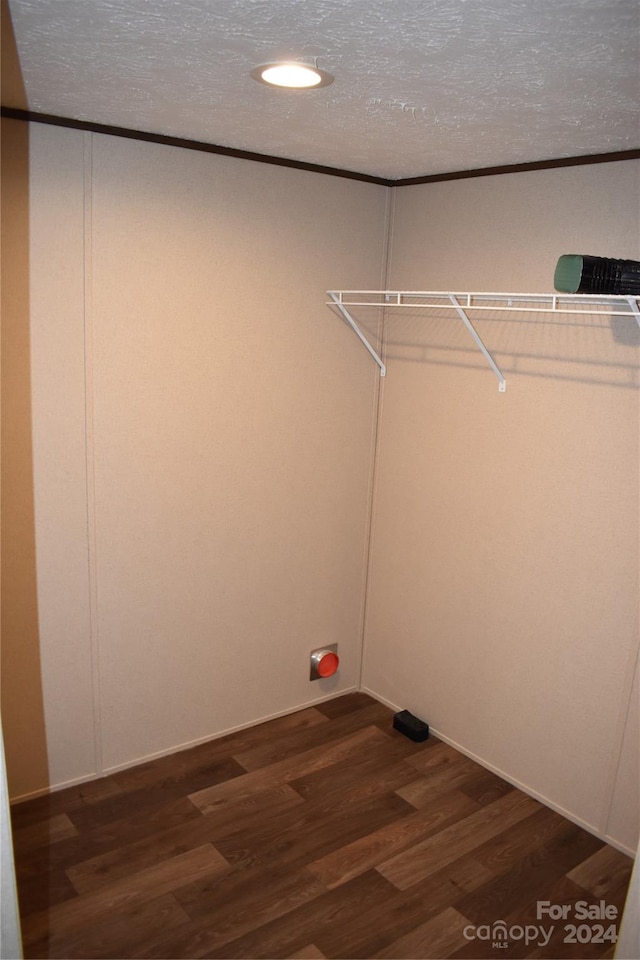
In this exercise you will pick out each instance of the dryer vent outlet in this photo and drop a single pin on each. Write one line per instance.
(324, 662)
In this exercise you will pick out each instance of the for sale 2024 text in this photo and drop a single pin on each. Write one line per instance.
(590, 923)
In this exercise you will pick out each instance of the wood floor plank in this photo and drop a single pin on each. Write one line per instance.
(531, 877)
(138, 823)
(355, 919)
(465, 874)
(373, 929)
(377, 846)
(223, 911)
(350, 782)
(382, 766)
(154, 797)
(510, 846)
(309, 837)
(211, 753)
(111, 937)
(343, 840)
(338, 707)
(603, 872)
(98, 906)
(182, 770)
(485, 787)
(308, 952)
(38, 892)
(439, 757)
(287, 770)
(42, 833)
(454, 841)
(333, 910)
(232, 815)
(62, 801)
(436, 938)
(343, 793)
(298, 741)
(452, 776)
(120, 862)
(548, 938)
(569, 895)
(102, 838)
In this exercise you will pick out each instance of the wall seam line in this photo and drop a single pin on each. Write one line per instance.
(90, 451)
(623, 723)
(385, 269)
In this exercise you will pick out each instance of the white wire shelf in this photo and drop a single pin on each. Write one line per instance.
(463, 304)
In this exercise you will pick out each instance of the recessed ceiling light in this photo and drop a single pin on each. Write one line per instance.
(292, 74)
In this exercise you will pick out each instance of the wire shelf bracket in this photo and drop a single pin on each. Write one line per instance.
(464, 303)
(502, 384)
(336, 298)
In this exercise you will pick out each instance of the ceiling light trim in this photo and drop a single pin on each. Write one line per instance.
(292, 75)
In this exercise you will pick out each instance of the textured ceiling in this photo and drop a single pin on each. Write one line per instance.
(421, 86)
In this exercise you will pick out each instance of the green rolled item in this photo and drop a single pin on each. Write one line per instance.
(597, 275)
(568, 273)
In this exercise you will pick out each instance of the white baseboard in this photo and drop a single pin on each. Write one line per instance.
(55, 788)
(439, 734)
(589, 827)
(77, 781)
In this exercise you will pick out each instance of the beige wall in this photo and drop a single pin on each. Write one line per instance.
(46, 656)
(200, 431)
(504, 579)
(188, 465)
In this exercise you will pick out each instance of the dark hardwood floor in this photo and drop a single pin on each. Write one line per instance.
(322, 834)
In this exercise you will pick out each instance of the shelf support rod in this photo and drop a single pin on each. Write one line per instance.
(356, 329)
(635, 309)
(502, 386)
